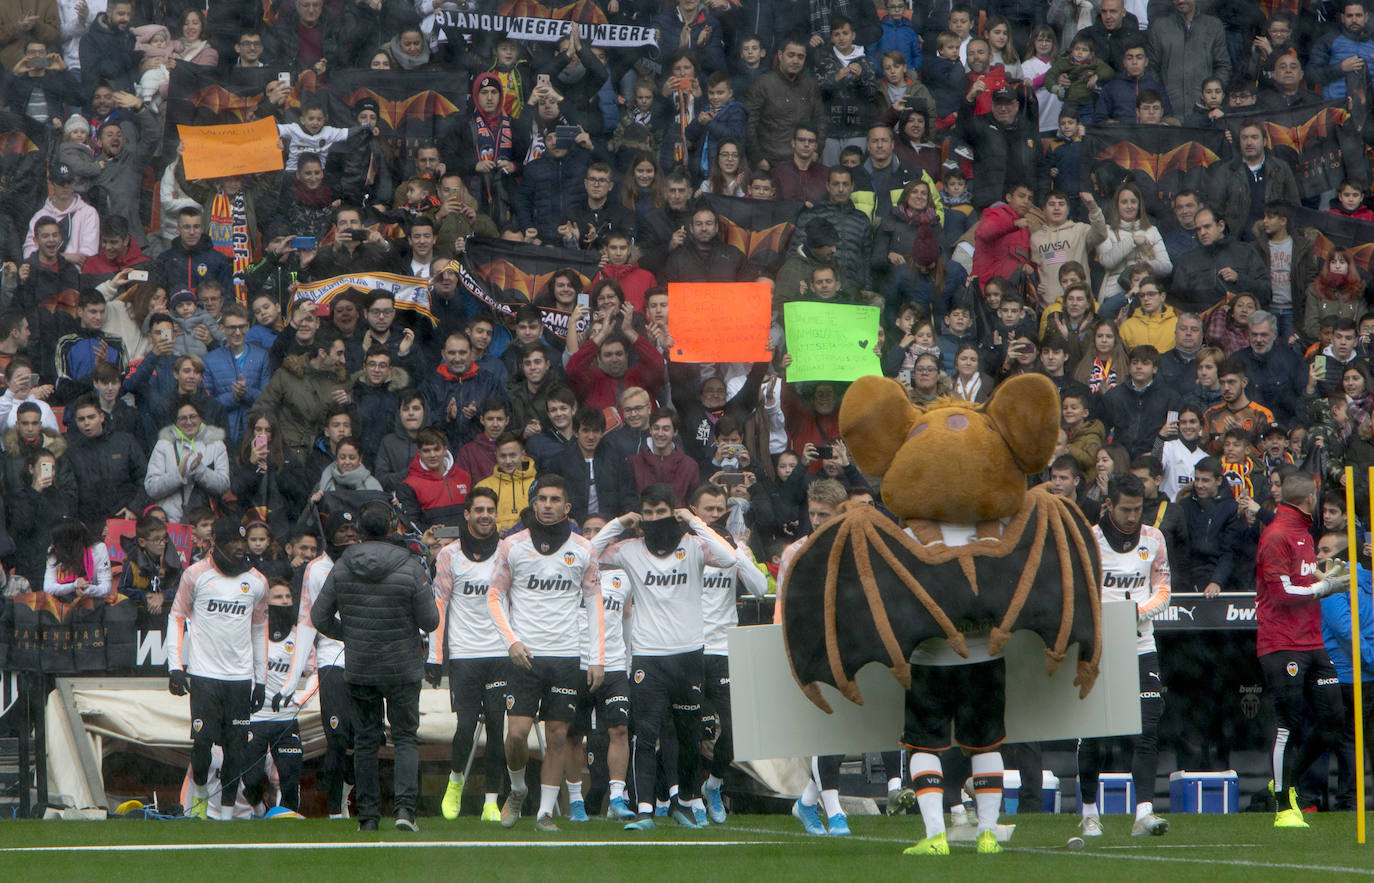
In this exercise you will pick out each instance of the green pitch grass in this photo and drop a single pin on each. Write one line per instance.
(753, 848)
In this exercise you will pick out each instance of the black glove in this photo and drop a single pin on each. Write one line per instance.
(434, 673)
(279, 700)
(259, 697)
(177, 684)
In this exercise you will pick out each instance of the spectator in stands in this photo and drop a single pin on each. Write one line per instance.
(1276, 373)
(1116, 101)
(236, 373)
(1153, 322)
(512, 479)
(662, 461)
(305, 38)
(780, 100)
(107, 49)
(24, 439)
(1240, 189)
(852, 227)
(435, 488)
(1288, 88)
(1214, 530)
(265, 478)
(1340, 52)
(106, 468)
(1002, 142)
(1187, 47)
(601, 365)
(551, 186)
(302, 389)
(1219, 264)
(190, 465)
(1002, 235)
(78, 564)
(455, 391)
(397, 448)
(79, 222)
(1137, 409)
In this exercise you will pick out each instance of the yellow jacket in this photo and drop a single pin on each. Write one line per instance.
(513, 493)
(1157, 330)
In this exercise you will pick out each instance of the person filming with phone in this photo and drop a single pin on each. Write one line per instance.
(356, 249)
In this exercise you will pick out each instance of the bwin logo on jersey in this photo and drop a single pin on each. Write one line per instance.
(1123, 580)
(676, 578)
(548, 585)
(474, 588)
(233, 608)
(1308, 568)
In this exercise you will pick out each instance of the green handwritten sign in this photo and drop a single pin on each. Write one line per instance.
(831, 341)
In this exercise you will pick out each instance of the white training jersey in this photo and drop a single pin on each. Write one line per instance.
(1178, 467)
(219, 624)
(280, 656)
(535, 599)
(1140, 575)
(615, 593)
(718, 596)
(328, 651)
(465, 624)
(666, 616)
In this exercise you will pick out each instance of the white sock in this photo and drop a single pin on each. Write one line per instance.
(574, 791)
(811, 795)
(1143, 809)
(672, 793)
(987, 788)
(456, 778)
(714, 783)
(646, 809)
(491, 797)
(830, 799)
(199, 790)
(661, 804)
(517, 780)
(697, 803)
(960, 814)
(1090, 811)
(893, 784)
(617, 789)
(548, 799)
(928, 780)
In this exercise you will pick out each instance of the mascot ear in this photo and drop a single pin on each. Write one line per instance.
(1025, 410)
(875, 417)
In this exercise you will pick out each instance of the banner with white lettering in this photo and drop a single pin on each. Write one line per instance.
(546, 30)
(408, 292)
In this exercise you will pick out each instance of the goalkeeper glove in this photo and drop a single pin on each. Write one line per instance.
(1336, 578)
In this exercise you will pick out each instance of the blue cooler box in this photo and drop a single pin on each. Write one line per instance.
(1115, 794)
(1204, 792)
(1011, 786)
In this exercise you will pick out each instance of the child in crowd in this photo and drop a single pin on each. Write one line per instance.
(1076, 74)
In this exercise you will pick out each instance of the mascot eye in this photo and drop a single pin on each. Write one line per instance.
(957, 422)
(920, 428)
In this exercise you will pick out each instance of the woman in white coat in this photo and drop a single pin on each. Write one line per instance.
(189, 466)
(1131, 239)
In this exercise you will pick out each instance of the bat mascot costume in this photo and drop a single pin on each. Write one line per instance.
(980, 558)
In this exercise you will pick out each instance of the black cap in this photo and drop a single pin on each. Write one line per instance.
(363, 104)
(1004, 95)
(820, 234)
(61, 173)
(227, 530)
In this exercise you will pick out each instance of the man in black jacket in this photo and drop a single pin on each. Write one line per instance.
(375, 600)
(598, 482)
(1215, 531)
(1138, 408)
(105, 467)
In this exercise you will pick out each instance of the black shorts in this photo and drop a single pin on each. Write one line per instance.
(971, 697)
(1299, 678)
(470, 681)
(548, 690)
(605, 707)
(336, 704)
(219, 707)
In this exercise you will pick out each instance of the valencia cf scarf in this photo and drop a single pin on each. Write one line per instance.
(230, 235)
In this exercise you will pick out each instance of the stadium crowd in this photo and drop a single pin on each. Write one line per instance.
(932, 159)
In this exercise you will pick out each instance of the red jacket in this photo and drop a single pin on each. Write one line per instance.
(1286, 549)
(997, 240)
(98, 265)
(677, 470)
(429, 498)
(596, 389)
(634, 281)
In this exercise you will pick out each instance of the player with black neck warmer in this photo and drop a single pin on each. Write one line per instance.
(720, 588)
(468, 642)
(665, 569)
(274, 727)
(221, 611)
(1135, 567)
(542, 578)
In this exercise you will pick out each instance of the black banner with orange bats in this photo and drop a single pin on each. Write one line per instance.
(1317, 141)
(505, 275)
(1161, 160)
(761, 229)
(1339, 231)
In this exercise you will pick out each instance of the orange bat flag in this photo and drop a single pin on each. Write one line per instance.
(1181, 158)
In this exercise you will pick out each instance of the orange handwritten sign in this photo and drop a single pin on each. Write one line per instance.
(224, 151)
(719, 321)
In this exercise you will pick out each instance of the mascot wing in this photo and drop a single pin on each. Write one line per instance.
(862, 590)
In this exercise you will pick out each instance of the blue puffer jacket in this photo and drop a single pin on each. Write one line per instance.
(898, 35)
(1336, 631)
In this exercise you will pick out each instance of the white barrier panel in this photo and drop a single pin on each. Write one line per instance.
(772, 718)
